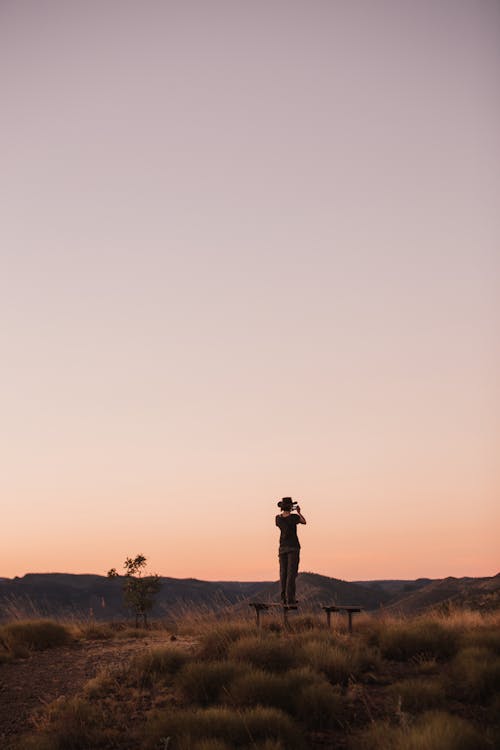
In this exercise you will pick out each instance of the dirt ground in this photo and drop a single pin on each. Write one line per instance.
(28, 684)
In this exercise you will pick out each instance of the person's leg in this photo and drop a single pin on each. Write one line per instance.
(283, 575)
(292, 570)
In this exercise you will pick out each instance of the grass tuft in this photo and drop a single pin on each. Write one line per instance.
(474, 675)
(205, 683)
(33, 635)
(432, 731)
(402, 641)
(156, 665)
(238, 729)
(418, 694)
(268, 653)
(216, 643)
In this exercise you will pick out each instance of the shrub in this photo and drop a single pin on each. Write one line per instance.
(267, 653)
(474, 675)
(418, 694)
(206, 682)
(238, 729)
(404, 641)
(34, 635)
(432, 731)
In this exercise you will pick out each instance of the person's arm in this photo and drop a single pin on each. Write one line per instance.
(301, 517)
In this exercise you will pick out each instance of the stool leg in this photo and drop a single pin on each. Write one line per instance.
(285, 617)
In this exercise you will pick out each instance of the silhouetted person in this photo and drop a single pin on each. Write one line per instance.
(289, 549)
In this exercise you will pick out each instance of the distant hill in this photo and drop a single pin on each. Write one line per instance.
(64, 594)
(314, 590)
(474, 593)
(85, 596)
(395, 587)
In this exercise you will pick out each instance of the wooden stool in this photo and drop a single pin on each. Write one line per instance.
(264, 606)
(348, 608)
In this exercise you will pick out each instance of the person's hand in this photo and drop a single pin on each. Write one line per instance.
(298, 509)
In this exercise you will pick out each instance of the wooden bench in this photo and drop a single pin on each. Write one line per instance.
(265, 606)
(350, 609)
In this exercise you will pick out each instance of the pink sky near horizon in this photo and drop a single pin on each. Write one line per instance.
(250, 250)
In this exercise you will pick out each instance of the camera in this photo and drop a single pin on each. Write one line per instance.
(286, 503)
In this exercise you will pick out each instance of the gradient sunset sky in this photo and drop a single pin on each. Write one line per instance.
(249, 249)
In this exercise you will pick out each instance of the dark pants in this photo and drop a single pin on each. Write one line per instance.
(289, 567)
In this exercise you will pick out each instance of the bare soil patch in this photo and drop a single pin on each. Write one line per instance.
(28, 684)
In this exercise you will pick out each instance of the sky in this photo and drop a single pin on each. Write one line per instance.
(250, 249)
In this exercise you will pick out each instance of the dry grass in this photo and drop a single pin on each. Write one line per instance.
(414, 695)
(267, 652)
(475, 675)
(424, 637)
(243, 688)
(156, 665)
(238, 729)
(207, 682)
(433, 731)
(216, 642)
(19, 638)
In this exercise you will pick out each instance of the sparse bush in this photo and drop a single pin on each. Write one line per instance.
(238, 729)
(418, 695)
(474, 675)
(205, 682)
(432, 731)
(425, 637)
(138, 592)
(34, 635)
(269, 653)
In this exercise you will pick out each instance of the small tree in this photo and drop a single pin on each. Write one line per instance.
(138, 591)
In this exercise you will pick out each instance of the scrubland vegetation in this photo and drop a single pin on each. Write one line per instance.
(430, 683)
